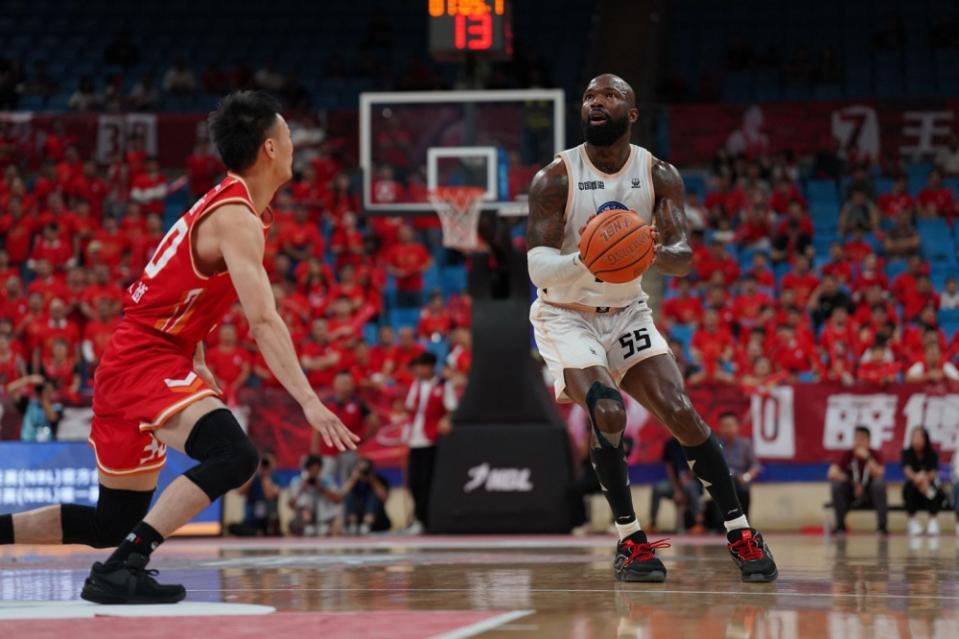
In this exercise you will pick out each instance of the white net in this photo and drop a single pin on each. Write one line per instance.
(459, 209)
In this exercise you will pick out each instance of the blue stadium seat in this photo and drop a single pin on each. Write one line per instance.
(894, 268)
(441, 349)
(400, 317)
(822, 192)
(454, 279)
(950, 329)
(948, 315)
(370, 333)
(917, 175)
(683, 333)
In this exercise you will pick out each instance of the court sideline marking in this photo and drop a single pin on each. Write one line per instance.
(482, 626)
(775, 593)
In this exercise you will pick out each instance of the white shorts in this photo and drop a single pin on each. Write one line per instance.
(574, 339)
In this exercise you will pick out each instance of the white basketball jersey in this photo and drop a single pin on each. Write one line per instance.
(591, 192)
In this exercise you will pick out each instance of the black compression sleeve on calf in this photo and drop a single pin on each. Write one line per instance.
(709, 465)
(6, 529)
(105, 526)
(227, 456)
(609, 460)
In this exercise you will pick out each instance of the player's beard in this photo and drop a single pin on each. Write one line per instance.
(607, 133)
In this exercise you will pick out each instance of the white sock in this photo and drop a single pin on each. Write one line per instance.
(625, 530)
(736, 524)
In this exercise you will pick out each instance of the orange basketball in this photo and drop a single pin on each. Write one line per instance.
(617, 246)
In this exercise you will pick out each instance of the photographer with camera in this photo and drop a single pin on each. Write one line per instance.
(366, 494)
(261, 514)
(314, 500)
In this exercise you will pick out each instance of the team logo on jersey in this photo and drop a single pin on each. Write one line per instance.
(612, 205)
(637, 183)
(592, 185)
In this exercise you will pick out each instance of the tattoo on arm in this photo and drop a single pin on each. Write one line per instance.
(547, 203)
(674, 257)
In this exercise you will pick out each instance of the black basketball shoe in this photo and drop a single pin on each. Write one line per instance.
(636, 559)
(128, 582)
(752, 555)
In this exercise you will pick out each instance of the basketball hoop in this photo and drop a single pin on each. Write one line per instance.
(459, 211)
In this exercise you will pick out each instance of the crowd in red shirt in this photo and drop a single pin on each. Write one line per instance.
(73, 236)
(841, 322)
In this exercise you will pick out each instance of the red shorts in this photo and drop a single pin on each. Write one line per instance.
(143, 380)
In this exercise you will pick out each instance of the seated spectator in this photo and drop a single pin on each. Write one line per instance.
(345, 324)
(870, 274)
(85, 98)
(742, 462)
(755, 229)
(347, 243)
(762, 379)
(922, 489)
(681, 486)
(683, 307)
(935, 200)
(878, 365)
(765, 278)
(315, 501)
(839, 265)
(718, 260)
(144, 96)
(696, 215)
(857, 481)
(60, 368)
(801, 280)
(750, 302)
(859, 180)
(230, 363)
(261, 513)
(434, 324)
(97, 333)
(785, 193)
(902, 240)
(950, 297)
(933, 368)
(918, 298)
(691, 372)
(407, 261)
(826, 299)
(838, 367)
(792, 351)
(179, 79)
(727, 198)
(793, 235)
(839, 330)
(712, 347)
(301, 239)
(859, 213)
(898, 201)
(365, 501)
(947, 157)
(320, 358)
(41, 413)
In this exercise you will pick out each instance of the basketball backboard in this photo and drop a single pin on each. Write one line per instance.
(413, 142)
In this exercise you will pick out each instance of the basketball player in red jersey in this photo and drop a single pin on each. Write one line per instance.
(152, 388)
(598, 337)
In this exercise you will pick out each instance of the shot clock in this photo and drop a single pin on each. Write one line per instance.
(481, 27)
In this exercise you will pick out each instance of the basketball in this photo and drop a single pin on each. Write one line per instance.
(617, 246)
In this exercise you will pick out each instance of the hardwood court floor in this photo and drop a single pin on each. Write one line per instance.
(504, 587)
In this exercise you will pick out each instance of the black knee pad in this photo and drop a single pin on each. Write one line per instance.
(105, 526)
(227, 456)
(597, 392)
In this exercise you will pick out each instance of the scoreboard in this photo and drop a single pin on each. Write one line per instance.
(470, 26)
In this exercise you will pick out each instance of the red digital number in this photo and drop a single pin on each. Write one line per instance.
(474, 32)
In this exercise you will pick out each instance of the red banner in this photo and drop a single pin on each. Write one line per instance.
(877, 130)
(805, 423)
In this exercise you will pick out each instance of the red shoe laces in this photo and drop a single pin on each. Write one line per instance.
(643, 552)
(746, 548)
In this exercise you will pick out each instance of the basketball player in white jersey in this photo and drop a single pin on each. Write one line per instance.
(598, 338)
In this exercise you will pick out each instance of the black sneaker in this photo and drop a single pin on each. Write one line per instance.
(636, 559)
(752, 555)
(128, 582)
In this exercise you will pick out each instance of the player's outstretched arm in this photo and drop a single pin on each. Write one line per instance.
(673, 255)
(242, 245)
(546, 228)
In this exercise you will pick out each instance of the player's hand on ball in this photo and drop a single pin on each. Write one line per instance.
(329, 426)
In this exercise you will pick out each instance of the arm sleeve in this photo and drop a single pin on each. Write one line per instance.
(548, 267)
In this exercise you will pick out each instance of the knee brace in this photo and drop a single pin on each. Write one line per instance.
(227, 456)
(597, 392)
(105, 526)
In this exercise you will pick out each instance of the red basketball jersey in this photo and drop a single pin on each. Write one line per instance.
(172, 296)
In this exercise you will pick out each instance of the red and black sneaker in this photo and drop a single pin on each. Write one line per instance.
(636, 559)
(752, 555)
